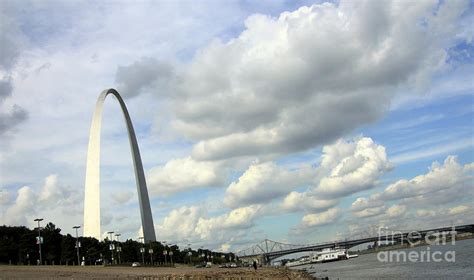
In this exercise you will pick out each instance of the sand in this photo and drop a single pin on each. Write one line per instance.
(158, 273)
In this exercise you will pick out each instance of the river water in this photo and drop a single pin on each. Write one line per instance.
(368, 266)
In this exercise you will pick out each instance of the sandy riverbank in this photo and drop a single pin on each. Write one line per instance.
(179, 273)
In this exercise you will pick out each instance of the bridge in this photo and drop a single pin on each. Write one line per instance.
(268, 250)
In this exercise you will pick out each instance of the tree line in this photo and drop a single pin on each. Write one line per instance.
(18, 245)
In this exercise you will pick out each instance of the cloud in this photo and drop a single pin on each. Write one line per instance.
(12, 116)
(239, 218)
(397, 217)
(357, 170)
(5, 197)
(9, 120)
(441, 185)
(263, 182)
(184, 174)
(52, 196)
(296, 201)
(458, 209)
(437, 216)
(369, 212)
(346, 167)
(122, 197)
(448, 212)
(24, 205)
(5, 89)
(363, 203)
(55, 194)
(12, 39)
(224, 247)
(193, 225)
(266, 92)
(13, 43)
(320, 219)
(436, 198)
(50, 191)
(425, 213)
(414, 155)
(180, 224)
(396, 210)
(440, 179)
(144, 74)
(276, 88)
(469, 167)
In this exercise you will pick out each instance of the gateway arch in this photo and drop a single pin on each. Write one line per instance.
(92, 184)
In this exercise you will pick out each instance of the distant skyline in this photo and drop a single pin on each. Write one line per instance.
(297, 121)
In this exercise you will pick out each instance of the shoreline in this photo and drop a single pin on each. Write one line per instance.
(155, 273)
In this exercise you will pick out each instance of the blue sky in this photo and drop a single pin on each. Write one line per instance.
(298, 121)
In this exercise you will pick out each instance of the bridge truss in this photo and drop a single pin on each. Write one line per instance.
(266, 247)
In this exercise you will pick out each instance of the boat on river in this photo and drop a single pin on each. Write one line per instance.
(325, 255)
(329, 255)
(301, 261)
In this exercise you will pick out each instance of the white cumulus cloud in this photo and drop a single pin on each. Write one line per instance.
(184, 174)
(192, 224)
(276, 88)
(23, 206)
(262, 182)
(441, 185)
(320, 219)
(180, 224)
(296, 201)
(239, 218)
(442, 179)
(53, 196)
(396, 210)
(358, 170)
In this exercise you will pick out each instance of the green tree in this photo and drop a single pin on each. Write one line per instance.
(90, 249)
(130, 251)
(68, 250)
(28, 249)
(18, 246)
(14, 244)
(52, 244)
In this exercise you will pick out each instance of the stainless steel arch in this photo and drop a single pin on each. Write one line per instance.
(92, 184)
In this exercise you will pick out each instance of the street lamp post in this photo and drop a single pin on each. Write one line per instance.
(77, 244)
(142, 250)
(39, 241)
(119, 249)
(165, 251)
(111, 246)
(150, 251)
(190, 253)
